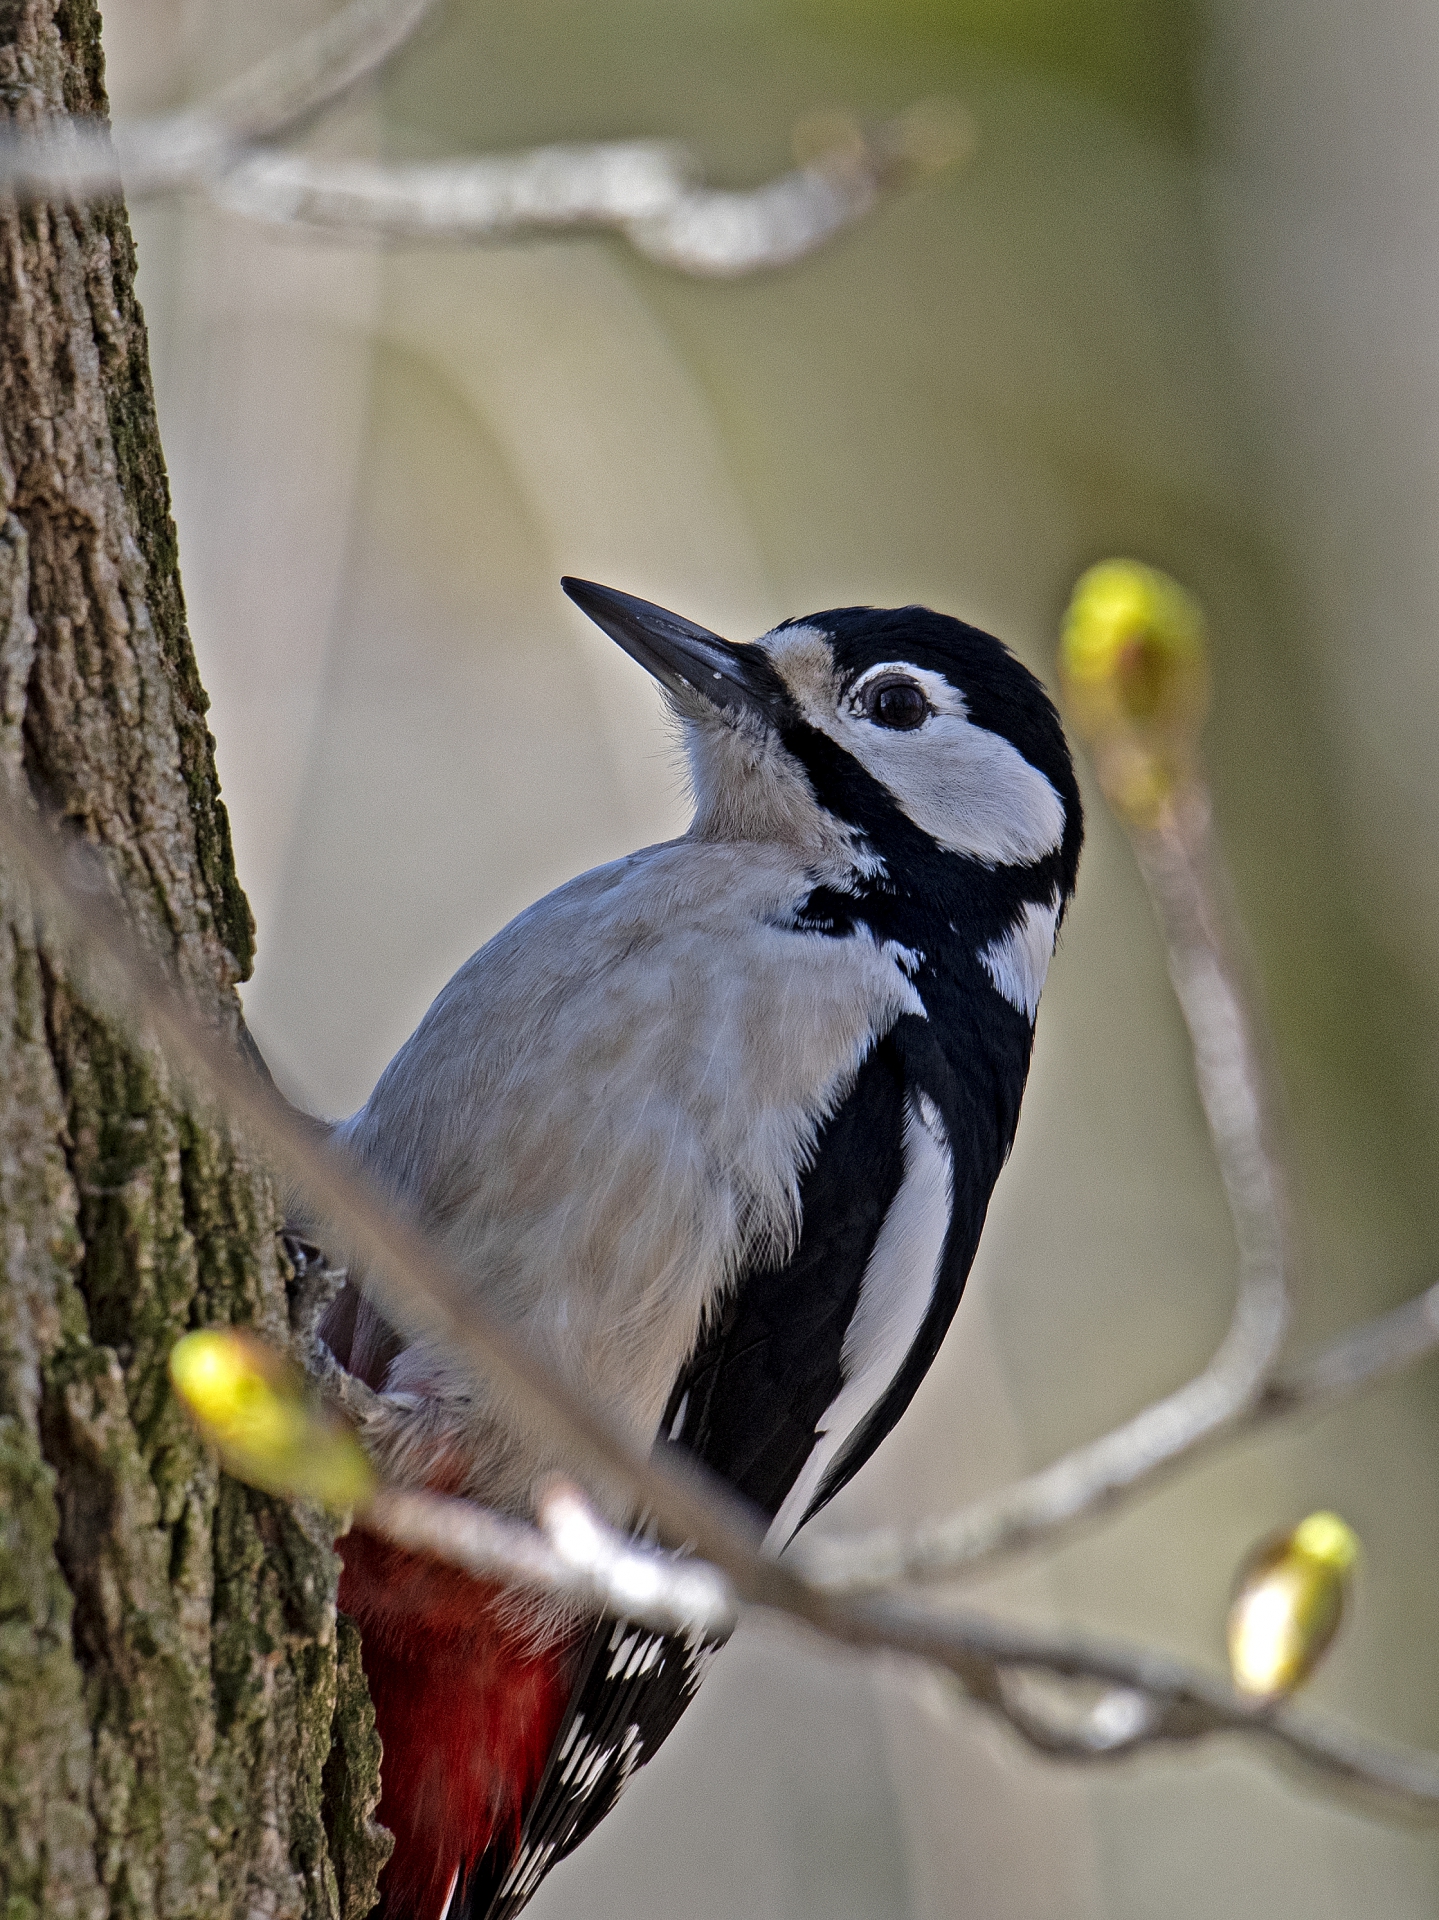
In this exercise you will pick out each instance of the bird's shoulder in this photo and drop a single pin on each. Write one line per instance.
(658, 897)
(668, 954)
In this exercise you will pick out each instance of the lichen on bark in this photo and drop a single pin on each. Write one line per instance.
(183, 1722)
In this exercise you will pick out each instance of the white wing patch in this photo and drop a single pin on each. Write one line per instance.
(1018, 961)
(894, 1296)
(637, 1653)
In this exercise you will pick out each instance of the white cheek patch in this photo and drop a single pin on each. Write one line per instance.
(967, 788)
(1018, 961)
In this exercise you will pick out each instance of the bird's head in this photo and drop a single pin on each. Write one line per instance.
(896, 737)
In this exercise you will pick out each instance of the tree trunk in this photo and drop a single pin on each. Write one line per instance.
(184, 1727)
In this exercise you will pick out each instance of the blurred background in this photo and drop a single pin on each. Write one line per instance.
(1181, 305)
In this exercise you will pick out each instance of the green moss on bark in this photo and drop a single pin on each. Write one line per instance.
(352, 1784)
(179, 1731)
(130, 404)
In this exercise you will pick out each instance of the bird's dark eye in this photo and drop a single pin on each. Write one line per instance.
(899, 704)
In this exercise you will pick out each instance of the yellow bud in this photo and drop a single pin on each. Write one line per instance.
(253, 1406)
(1326, 1538)
(1135, 675)
(1287, 1605)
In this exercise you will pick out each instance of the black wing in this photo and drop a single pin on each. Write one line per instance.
(756, 1387)
(632, 1688)
(750, 1404)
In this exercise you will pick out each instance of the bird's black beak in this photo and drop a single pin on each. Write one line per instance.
(684, 658)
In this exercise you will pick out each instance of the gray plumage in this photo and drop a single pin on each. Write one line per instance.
(604, 1114)
(714, 1130)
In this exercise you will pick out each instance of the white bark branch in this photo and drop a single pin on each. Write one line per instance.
(495, 197)
(1026, 1677)
(573, 1556)
(649, 191)
(82, 159)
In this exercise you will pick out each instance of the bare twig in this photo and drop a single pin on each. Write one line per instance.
(1148, 1697)
(684, 1596)
(1022, 1675)
(574, 1556)
(647, 190)
(289, 88)
(725, 234)
(1357, 1360)
(1180, 865)
(494, 197)
(76, 159)
(1366, 1354)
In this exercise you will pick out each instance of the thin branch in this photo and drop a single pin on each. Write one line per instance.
(289, 88)
(78, 159)
(682, 1595)
(1152, 1699)
(647, 190)
(1180, 865)
(1368, 1353)
(495, 197)
(1108, 1728)
(573, 1556)
(852, 170)
(1147, 1698)
(723, 235)
(418, 1289)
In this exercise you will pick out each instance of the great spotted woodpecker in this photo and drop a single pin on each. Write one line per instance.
(715, 1128)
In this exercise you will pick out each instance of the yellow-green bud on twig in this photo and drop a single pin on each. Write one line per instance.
(254, 1407)
(1287, 1605)
(1134, 670)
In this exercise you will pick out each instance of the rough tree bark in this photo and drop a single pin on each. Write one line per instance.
(183, 1724)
